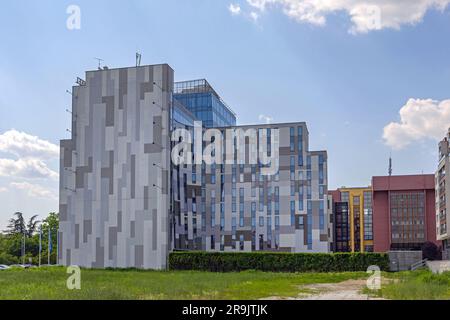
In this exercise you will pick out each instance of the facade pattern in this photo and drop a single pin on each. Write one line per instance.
(237, 208)
(114, 190)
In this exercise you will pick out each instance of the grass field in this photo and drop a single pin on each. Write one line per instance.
(417, 285)
(50, 283)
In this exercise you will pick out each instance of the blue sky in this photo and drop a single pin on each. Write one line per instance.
(267, 57)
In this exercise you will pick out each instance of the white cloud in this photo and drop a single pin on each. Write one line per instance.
(34, 190)
(254, 16)
(32, 153)
(260, 4)
(365, 15)
(419, 120)
(266, 119)
(22, 144)
(235, 9)
(29, 168)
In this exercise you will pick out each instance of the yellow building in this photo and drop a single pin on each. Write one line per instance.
(360, 217)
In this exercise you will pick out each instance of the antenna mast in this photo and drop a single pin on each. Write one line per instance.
(138, 59)
(390, 165)
(99, 63)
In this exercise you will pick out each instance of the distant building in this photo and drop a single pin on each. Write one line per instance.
(341, 232)
(403, 212)
(443, 195)
(352, 210)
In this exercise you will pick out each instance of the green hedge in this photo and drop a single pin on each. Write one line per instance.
(276, 262)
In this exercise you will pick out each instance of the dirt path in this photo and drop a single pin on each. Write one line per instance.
(347, 290)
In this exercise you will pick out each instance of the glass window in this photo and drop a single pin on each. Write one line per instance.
(345, 197)
(300, 140)
(261, 221)
(292, 139)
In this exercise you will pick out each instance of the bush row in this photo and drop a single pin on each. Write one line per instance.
(277, 262)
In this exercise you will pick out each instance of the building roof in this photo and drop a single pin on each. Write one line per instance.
(403, 183)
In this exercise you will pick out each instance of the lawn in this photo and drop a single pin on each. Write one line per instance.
(50, 283)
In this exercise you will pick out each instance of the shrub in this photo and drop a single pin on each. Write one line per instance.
(431, 251)
(276, 262)
(6, 258)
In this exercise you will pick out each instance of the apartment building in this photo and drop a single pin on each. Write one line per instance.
(236, 207)
(442, 181)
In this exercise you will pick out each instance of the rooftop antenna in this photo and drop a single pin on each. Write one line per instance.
(80, 82)
(99, 63)
(390, 165)
(138, 59)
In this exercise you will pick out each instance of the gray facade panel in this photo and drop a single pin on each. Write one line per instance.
(105, 170)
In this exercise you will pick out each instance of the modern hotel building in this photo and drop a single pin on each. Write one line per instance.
(124, 203)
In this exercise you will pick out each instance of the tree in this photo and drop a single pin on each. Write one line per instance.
(431, 251)
(32, 226)
(11, 242)
(50, 223)
(17, 225)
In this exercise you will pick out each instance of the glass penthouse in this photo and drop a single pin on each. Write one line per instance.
(199, 97)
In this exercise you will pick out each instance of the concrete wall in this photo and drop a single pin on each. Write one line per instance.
(381, 222)
(402, 260)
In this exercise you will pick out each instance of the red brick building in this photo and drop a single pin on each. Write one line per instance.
(404, 215)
